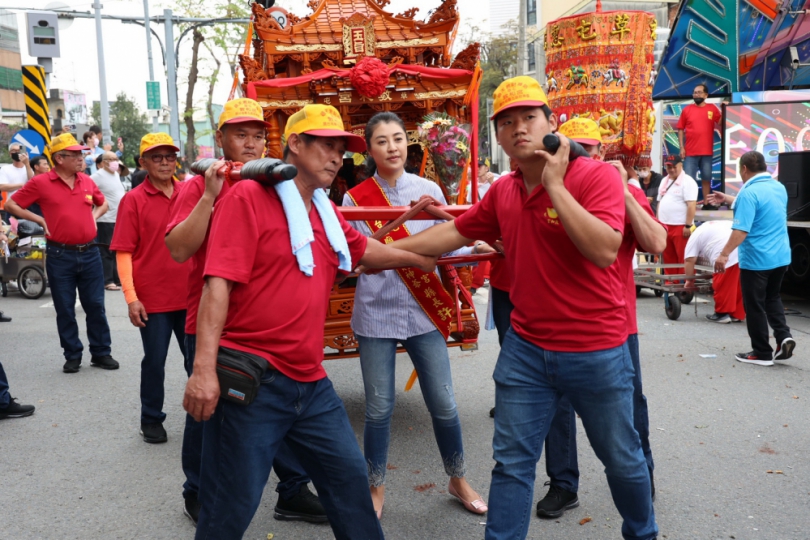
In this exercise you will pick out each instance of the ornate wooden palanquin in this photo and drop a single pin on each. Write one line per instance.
(308, 61)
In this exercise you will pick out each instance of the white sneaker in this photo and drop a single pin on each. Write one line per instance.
(785, 349)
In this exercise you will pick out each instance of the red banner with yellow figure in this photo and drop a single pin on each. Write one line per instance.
(600, 66)
(425, 287)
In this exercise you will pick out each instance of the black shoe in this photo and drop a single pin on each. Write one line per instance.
(153, 433)
(3, 318)
(709, 207)
(652, 485)
(556, 502)
(492, 412)
(191, 508)
(305, 506)
(785, 349)
(754, 358)
(104, 362)
(15, 410)
(722, 318)
(472, 291)
(72, 366)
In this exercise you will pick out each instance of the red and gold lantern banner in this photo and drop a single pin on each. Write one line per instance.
(599, 66)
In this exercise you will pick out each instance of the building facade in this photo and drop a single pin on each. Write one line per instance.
(11, 85)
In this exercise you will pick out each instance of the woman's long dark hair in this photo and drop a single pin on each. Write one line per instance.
(376, 120)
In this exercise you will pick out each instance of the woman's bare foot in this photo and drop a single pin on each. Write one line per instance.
(378, 499)
(472, 501)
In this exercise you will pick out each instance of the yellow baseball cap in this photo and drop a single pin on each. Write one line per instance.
(241, 110)
(582, 130)
(153, 140)
(66, 141)
(322, 121)
(520, 91)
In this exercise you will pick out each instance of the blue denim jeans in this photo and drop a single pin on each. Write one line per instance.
(68, 271)
(428, 353)
(240, 442)
(529, 381)
(290, 473)
(501, 312)
(5, 398)
(693, 164)
(561, 441)
(156, 337)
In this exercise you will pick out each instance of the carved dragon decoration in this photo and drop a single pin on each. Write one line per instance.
(252, 69)
(467, 58)
(444, 12)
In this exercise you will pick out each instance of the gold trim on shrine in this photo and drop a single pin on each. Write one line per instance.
(407, 43)
(308, 48)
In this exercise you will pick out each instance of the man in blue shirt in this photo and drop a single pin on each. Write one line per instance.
(760, 231)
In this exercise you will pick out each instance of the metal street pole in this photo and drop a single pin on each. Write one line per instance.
(102, 77)
(149, 54)
(521, 52)
(171, 73)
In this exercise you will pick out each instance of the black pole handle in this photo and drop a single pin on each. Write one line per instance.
(552, 144)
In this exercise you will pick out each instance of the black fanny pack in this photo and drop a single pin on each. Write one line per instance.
(240, 375)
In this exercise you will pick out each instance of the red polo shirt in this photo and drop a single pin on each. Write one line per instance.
(563, 302)
(68, 212)
(698, 124)
(275, 310)
(181, 207)
(160, 282)
(625, 259)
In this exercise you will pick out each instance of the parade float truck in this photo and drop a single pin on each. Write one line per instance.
(362, 60)
(755, 55)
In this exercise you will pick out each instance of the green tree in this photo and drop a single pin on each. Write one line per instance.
(498, 59)
(126, 121)
(7, 131)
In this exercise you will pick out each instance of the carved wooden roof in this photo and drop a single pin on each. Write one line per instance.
(325, 24)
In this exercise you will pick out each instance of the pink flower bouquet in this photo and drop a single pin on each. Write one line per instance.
(449, 145)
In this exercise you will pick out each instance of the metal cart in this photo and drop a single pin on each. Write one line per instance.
(29, 273)
(672, 286)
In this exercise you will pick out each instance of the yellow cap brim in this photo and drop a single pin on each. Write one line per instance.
(354, 143)
(242, 119)
(528, 103)
(145, 150)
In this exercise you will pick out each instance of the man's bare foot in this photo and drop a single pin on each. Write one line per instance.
(378, 499)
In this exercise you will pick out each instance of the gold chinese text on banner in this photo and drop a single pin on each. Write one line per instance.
(600, 66)
(425, 287)
(36, 104)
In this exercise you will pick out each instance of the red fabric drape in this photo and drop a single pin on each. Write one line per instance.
(426, 72)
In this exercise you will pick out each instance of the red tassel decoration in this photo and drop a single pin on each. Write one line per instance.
(369, 77)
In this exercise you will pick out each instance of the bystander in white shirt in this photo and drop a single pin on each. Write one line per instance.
(110, 185)
(708, 241)
(673, 194)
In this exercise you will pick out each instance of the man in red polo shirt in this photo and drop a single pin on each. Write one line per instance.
(698, 122)
(569, 324)
(264, 300)
(154, 284)
(242, 137)
(70, 203)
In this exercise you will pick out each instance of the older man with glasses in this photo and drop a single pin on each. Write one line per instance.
(71, 202)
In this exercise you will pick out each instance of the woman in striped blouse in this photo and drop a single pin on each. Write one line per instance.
(404, 306)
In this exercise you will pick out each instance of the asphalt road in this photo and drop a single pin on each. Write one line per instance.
(79, 469)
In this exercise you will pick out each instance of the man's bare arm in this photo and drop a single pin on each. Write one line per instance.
(187, 237)
(434, 241)
(682, 152)
(734, 241)
(381, 256)
(651, 235)
(202, 389)
(691, 208)
(99, 211)
(21, 213)
(596, 240)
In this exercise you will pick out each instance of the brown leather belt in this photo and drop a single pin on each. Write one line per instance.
(72, 247)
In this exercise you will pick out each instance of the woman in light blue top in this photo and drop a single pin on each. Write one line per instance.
(385, 312)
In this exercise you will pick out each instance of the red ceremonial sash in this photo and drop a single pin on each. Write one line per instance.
(425, 287)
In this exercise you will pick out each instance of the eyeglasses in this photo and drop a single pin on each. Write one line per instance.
(70, 156)
(157, 158)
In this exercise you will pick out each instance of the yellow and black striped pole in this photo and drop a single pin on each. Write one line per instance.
(36, 103)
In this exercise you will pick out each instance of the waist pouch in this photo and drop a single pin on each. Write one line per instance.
(240, 375)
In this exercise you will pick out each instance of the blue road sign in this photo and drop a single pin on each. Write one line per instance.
(32, 141)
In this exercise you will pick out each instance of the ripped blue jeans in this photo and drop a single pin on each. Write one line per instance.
(428, 353)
